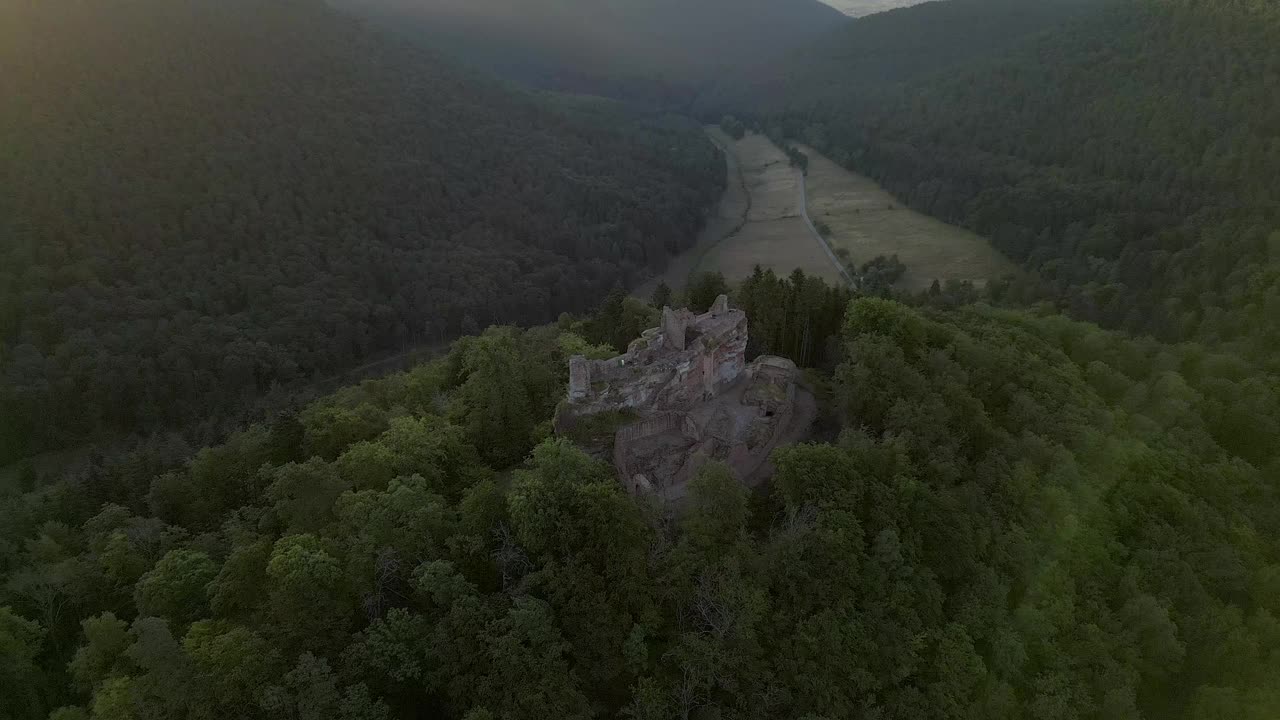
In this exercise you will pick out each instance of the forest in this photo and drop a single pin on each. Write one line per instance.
(661, 52)
(1005, 515)
(1056, 497)
(262, 194)
(1124, 151)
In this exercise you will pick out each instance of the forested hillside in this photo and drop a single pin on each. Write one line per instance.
(655, 50)
(202, 201)
(878, 52)
(1128, 154)
(1022, 517)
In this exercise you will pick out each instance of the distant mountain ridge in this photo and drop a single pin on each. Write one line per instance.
(857, 60)
(607, 46)
(862, 8)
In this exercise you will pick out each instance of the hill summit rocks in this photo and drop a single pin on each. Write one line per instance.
(683, 395)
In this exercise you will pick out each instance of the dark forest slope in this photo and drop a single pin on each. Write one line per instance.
(1023, 519)
(202, 200)
(879, 51)
(650, 49)
(1128, 155)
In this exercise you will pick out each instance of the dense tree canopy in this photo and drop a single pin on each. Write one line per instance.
(1002, 514)
(1123, 150)
(263, 193)
(1016, 517)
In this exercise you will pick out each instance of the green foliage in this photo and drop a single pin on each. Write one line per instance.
(733, 127)
(106, 639)
(307, 587)
(114, 700)
(703, 289)
(175, 589)
(662, 296)
(493, 404)
(237, 588)
(419, 198)
(21, 678)
(716, 516)
(878, 276)
(572, 344)
(795, 317)
(232, 664)
(1021, 516)
(303, 494)
(1118, 150)
(618, 321)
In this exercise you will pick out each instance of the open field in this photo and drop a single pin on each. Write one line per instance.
(862, 223)
(775, 234)
(727, 218)
(758, 221)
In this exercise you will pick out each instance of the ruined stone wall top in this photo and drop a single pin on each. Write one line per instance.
(675, 327)
(686, 356)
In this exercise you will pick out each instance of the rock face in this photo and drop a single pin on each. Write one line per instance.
(688, 358)
(691, 398)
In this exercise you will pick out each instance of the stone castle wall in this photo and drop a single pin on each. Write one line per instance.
(678, 423)
(686, 359)
(694, 400)
(671, 421)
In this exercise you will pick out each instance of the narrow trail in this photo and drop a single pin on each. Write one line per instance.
(826, 247)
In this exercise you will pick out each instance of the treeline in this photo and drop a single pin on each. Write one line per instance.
(1022, 517)
(264, 194)
(1123, 151)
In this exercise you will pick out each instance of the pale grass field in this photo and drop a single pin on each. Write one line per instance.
(774, 236)
(857, 211)
(757, 222)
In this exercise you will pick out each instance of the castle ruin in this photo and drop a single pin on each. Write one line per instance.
(683, 395)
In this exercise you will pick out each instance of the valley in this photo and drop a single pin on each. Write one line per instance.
(759, 221)
(948, 385)
(866, 222)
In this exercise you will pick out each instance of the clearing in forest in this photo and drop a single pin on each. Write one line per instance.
(865, 221)
(758, 221)
(774, 234)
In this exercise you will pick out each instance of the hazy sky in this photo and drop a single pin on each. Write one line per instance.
(866, 7)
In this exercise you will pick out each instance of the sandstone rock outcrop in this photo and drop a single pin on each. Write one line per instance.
(686, 359)
(683, 395)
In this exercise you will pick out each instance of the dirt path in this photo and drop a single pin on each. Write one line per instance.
(801, 182)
